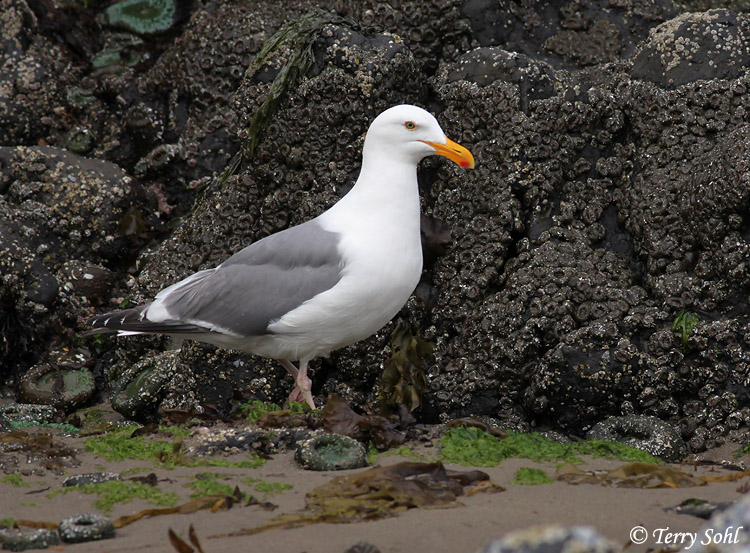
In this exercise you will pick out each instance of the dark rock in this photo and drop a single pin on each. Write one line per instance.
(700, 508)
(725, 531)
(536, 80)
(27, 413)
(694, 46)
(57, 210)
(647, 433)
(33, 75)
(566, 34)
(260, 442)
(433, 31)
(14, 539)
(90, 478)
(552, 539)
(362, 547)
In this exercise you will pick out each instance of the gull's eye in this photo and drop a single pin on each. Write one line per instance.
(410, 125)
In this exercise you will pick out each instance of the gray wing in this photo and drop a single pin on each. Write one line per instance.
(260, 283)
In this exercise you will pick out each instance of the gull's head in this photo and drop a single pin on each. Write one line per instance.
(409, 133)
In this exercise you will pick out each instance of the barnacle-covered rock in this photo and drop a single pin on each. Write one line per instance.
(608, 206)
(715, 206)
(433, 31)
(14, 539)
(566, 34)
(90, 478)
(647, 433)
(588, 375)
(486, 65)
(56, 209)
(551, 539)
(33, 75)
(694, 46)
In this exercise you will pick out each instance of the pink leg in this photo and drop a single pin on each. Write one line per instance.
(302, 391)
(288, 365)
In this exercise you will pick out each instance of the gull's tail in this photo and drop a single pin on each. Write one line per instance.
(135, 321)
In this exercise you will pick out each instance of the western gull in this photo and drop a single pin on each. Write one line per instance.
(324, 284)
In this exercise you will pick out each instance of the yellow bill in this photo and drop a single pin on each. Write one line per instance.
(453, 151)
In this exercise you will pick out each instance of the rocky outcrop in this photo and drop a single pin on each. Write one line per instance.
(594, 264)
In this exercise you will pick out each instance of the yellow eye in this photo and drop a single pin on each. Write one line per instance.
(410, 125)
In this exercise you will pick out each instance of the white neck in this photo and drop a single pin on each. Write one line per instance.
(386, 190)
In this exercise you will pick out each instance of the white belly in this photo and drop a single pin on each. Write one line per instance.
(383, 267)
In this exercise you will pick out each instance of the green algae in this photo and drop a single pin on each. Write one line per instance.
(613, 450)
(473, 447)
(253, 462)
(271, 488)
(62, 427)
(267, 488)
(14, 480)
(255, 410)
(527, 476)
(8, 522)
(683, 326)
(114, 492)
(404, 451)
(209, 483)
(119, 445)
(372, 453)
(299, 36)
(175, 430)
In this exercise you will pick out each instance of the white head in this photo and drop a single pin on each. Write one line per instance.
(409, 133)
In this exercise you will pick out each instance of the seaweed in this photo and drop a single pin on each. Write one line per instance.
(683, 326)
(299, 36)
(527, 476)
(118, 491)
(631, 475)
(209, 483)
(403, 381)
(474, 447)
(384, 432)
(14, 480)
(377, 493)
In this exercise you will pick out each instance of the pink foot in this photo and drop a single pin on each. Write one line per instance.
(302, 384)
(302, 391)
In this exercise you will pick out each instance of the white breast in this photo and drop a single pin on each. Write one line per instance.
(382, 256)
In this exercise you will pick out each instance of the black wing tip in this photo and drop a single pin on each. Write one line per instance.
(117, 320)
(132, 320)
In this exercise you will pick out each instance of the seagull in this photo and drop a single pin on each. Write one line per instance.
(321, 285)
